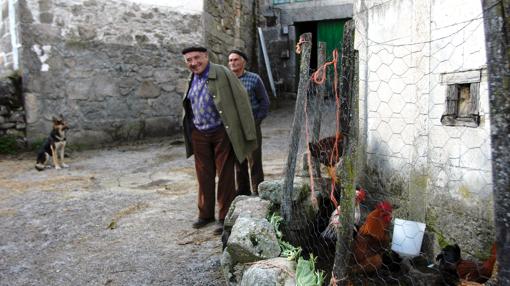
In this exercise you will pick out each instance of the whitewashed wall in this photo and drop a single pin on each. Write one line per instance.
(406, 47)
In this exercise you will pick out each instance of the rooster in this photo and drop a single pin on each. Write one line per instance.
(450, 262)
(328, 151)
(372, 240)
(334, 222)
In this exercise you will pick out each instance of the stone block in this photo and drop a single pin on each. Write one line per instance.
(104, 86)
(163, 75)
(90, 137)
(160, 126)
(252, 239)
(148, 89)
(7, 125)
(244, 206)
(269, 272)
(272, 190)
(79, 89)
(4, 110)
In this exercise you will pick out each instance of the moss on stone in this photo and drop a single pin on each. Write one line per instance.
(464, 192)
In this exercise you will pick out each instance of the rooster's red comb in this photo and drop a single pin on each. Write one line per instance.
(361, 194)
(385, 206)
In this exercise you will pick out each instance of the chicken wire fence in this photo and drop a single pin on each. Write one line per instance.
(343, 215)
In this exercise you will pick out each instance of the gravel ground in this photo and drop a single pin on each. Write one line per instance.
(117, 216)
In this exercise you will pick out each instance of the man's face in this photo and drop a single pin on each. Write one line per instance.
(236, 63)
(196, 61)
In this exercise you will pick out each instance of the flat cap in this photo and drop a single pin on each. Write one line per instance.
(235, 51)
(194, 49)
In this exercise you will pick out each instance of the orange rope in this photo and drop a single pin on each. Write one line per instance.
(319, 77)
(298, 45)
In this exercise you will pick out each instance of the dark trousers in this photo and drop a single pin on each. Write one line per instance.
(255, 165)
(213, 156)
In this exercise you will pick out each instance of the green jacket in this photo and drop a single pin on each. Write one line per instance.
(232, 102)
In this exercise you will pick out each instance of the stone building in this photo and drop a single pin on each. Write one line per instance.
(285, 20)
(113, 69)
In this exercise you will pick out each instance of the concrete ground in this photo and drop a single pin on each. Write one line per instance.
(117, 216)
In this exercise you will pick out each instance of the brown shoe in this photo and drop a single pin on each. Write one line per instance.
(201, 222)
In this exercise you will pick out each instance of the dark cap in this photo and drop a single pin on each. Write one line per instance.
(243, 55)
(194, 49)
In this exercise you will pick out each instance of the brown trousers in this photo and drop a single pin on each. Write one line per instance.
(213, 156)
(255, 165)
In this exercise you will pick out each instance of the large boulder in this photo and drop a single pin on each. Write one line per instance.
(244, 206)
(270, 272)
(232, 271)
(252, 239)
(272, 190)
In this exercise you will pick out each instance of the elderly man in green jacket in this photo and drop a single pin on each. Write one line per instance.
(218, 127)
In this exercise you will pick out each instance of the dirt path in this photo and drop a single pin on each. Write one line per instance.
(117, 216)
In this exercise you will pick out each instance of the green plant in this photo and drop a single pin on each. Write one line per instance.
(287, 250)
(306, 275)
(8, 144)
(36, 144)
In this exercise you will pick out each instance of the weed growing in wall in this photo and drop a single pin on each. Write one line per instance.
(8, 145)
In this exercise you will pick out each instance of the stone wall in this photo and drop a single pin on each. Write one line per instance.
(231, 24)
(113, 69)
(12, 114)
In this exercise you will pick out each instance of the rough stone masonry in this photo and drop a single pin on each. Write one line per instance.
(113, 69)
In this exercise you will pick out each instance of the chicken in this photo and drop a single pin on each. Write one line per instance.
(328, 151)
(450, 262)
(334, 222)
(372, 239)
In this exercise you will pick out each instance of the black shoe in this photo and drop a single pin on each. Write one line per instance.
(201, 222)
(219, 229)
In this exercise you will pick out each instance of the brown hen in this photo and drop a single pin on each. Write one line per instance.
(372, 239)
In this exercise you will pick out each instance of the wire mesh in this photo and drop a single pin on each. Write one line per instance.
(383, 249)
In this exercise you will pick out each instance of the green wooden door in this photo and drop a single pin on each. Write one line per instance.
(331, 32)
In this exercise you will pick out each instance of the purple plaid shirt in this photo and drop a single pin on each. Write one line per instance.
(205, 115)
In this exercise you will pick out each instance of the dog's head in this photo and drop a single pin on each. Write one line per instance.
(60, 126)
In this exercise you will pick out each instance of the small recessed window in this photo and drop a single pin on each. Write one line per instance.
(462, 105)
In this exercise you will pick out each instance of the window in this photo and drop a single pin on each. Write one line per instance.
(462, 100)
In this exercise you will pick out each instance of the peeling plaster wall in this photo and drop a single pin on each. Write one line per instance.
(442, 173)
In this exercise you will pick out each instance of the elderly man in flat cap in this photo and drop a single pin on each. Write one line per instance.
(218, 129)
(260, 106)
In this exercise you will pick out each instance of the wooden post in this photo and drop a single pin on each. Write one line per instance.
(304, 80)
(315, 101)
(496, 14)
(348, 123)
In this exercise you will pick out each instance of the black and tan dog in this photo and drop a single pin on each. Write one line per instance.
(53, 146)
